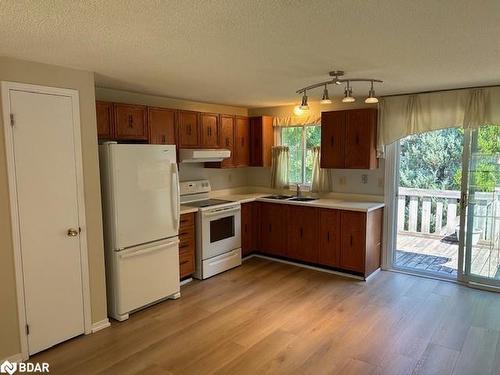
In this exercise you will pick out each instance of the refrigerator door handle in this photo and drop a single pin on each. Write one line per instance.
(133, 253)
(176, 198)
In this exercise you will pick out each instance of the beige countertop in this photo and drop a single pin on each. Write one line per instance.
(339, 204)
(187, 209)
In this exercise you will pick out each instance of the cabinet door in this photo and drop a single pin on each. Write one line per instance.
(271, 228)
(242, 136)
(130, 122)
(256, 141)
(187, 129)
(246, 229)
(360, 142)
(302, 233)
(209, 130)
(161, 126)
(227, 139)
(105, 123)
(329, 237)
(333, 127)
(353, 243)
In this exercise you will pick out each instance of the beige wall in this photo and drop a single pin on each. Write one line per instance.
(41, 74)
(161, 101)
(344, 180)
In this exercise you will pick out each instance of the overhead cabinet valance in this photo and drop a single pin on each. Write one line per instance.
(405, 115)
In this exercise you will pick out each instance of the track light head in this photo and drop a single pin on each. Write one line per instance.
(303, 105)
(348, 98)
(372, 99)
(325, 99)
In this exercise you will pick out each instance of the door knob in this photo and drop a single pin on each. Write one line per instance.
(72, 232)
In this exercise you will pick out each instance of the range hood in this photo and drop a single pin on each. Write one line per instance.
(196, 155)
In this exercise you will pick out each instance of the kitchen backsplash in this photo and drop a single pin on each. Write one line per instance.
(344, 180)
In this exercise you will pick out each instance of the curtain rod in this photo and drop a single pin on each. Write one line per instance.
(445, 90)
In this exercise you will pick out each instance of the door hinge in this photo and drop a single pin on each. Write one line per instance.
(27, 329)
(11, 119)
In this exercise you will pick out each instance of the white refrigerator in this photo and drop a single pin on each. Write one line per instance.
(140, 195)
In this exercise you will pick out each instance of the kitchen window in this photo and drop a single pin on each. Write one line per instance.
(300, 140)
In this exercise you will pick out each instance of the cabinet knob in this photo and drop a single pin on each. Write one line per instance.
(328, 236)
(130, 121)
(163, 139)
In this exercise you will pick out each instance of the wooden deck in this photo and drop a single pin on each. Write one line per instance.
(440, 254)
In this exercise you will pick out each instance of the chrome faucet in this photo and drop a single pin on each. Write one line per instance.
(298, 190)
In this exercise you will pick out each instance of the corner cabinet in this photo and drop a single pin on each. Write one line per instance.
(262, 140)
(241, 142)
(348, 139)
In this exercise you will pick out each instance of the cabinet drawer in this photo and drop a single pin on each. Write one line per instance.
(186, 220)
(186, 264)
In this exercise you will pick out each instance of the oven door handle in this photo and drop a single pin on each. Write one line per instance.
(220, 212)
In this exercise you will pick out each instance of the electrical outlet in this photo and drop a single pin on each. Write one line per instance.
(364, 178)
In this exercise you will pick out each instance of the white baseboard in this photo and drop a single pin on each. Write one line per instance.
(13, 358)
(100, 325)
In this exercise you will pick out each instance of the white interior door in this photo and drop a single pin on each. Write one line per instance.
(47, 200)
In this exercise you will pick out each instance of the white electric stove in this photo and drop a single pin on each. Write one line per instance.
(218, 229)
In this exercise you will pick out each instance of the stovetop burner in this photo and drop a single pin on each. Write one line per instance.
(207, 203)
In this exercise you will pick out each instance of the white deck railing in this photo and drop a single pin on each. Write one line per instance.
(430, 211)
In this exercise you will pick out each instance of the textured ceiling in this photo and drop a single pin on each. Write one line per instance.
(257, 53)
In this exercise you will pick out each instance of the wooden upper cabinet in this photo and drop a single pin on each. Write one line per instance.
(329, 237)
(227, 139)
(302, 233)
(353, 241)
(333, 126)
(361, 142)
(187, 129)
(209, 130)
(105, 120)
(348, 139)
(242, 142)
(130, 122)
(161, 126)
(262, 140)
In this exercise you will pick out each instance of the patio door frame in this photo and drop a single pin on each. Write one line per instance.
(392, 163)
(465, 242)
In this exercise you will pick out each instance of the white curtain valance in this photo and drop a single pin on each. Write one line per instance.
(285, 121)
(400, 116)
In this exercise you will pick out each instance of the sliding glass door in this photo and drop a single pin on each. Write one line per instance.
(480, 207)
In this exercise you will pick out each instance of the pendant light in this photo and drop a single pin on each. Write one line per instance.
(372, 99)
(304, 106)
(348, 98)
(325, 99)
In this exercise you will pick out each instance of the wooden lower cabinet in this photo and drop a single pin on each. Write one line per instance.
(329, 237)
(344, 240)
(246, 229)
(186, 245)
(302, 233)
(272, 229)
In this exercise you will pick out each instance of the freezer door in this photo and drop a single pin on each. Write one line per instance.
(145, 193)
(146, 274)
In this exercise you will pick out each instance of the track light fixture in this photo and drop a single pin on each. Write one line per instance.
(338, 80)
(303, 105)
(325, 99)
(372, 99)
(348, 98)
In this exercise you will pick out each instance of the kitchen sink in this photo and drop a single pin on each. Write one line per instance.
(302, 199)
(278, 196)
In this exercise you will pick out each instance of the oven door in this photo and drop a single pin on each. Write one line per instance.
(220, 230)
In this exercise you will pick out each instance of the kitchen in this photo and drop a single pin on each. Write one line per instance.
(251, 226)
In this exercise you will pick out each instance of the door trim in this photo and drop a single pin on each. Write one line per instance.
(6, 87)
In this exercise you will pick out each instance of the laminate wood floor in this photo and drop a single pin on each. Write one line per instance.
(267, 317)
